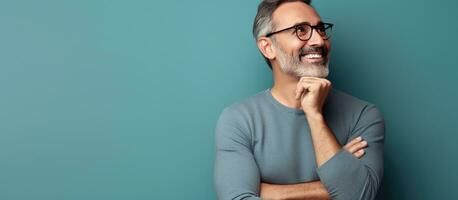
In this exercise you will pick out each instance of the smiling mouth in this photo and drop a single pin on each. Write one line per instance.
(313, 56)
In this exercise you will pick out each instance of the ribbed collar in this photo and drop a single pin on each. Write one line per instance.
(279, 105)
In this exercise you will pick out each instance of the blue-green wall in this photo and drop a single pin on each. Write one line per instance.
(118, 99)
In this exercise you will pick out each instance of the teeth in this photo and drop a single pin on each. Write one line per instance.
(313, 56)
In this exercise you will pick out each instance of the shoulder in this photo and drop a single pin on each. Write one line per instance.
(242, 114)
(353, 109)
(345, 102)
(236, 121)
(339, 98)
(246, 106)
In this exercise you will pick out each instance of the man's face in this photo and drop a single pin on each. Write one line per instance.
(294, 56)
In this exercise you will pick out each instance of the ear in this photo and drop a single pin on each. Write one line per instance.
(266, 47)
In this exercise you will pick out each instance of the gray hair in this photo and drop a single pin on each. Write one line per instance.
(263, 23)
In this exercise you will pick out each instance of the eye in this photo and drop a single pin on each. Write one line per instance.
(301, 29)
(321, 28)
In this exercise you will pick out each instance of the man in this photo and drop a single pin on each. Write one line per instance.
(300, 139)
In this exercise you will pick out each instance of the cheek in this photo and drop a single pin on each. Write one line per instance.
(296, 47)
(328, 45)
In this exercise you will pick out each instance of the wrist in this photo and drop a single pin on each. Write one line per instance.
(314, 116)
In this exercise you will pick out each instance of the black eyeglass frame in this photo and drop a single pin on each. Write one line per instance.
(296, 26)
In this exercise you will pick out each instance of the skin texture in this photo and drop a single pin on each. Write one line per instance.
(307, 93)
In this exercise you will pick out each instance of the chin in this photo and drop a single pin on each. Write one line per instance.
(317, 71)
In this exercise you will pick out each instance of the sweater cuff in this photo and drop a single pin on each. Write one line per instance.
(341, 169)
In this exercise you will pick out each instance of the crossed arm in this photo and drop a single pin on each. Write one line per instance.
(350, 172)
(314, 190)
(342, 176)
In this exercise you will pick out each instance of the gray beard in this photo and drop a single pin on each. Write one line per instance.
(293, 65)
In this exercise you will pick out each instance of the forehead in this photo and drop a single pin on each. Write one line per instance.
(292, 13)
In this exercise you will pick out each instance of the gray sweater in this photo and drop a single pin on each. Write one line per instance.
(261, 140)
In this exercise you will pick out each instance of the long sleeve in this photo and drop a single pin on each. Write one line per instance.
(236, 174)
(347, 177)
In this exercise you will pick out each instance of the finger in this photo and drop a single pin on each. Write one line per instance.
(305, 90)
(313, 86)
(325, 83)
(305, 84)
(315, 79)
(355, 147)
(322, 81)
(359, 153)
(328, 82)
(354, 141)
(301, 88)
(310, 78)
(358, 146)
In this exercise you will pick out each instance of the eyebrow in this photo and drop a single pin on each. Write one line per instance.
(305, 22)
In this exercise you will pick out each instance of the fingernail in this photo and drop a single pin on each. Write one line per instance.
(359, 138)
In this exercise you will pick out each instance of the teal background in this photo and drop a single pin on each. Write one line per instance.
(119, 99)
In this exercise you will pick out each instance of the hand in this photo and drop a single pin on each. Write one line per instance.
(312, 92)
(356, 147)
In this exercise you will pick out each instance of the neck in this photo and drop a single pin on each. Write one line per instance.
(284, 89)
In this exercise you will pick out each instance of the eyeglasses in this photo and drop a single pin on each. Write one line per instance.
(304, 30)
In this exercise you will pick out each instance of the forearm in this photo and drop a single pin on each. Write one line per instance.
(346, 176)
(324, 141)
(311, 190)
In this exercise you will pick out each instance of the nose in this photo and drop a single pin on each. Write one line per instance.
(315, 39)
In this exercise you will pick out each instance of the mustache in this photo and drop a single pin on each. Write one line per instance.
(314, 49)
